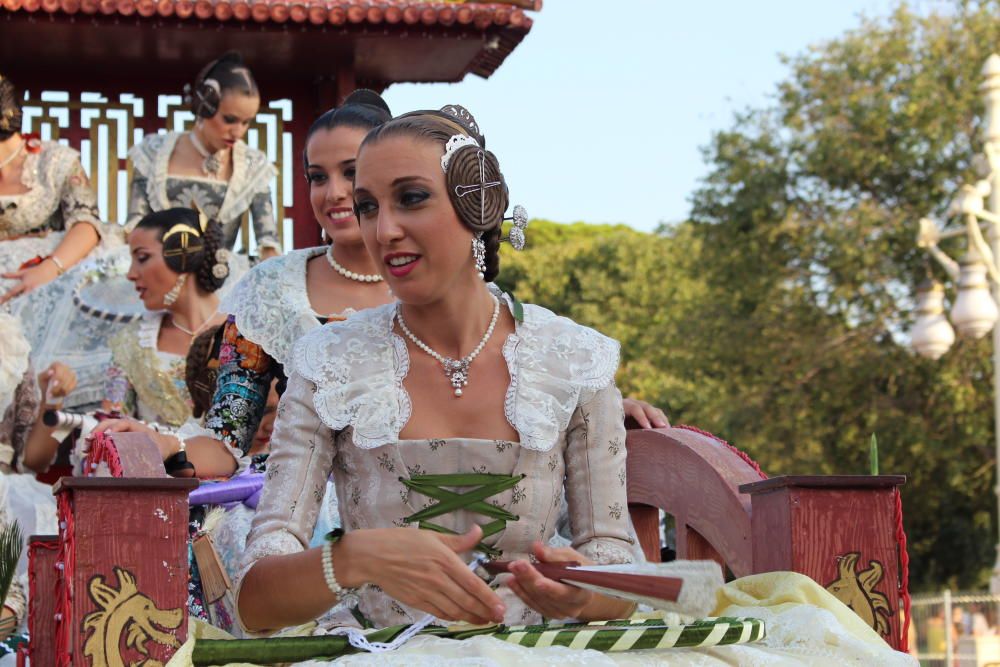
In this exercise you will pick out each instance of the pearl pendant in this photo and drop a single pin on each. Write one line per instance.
(458, 393)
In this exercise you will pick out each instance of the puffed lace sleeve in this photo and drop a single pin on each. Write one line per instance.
(77, 200)
(138, 202)
(595, 480)
(265, 227)
(302, 453)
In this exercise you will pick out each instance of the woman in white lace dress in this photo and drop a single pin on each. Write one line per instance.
(531, 400)
(48, 212)
(456, 388)
(210, 167)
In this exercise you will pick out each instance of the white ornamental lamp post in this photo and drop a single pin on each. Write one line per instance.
(975, 311)
(932, 334)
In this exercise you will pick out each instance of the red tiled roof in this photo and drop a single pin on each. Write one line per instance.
(317, 12)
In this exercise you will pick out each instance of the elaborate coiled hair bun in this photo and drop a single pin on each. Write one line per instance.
(192, 244)
(215, 79)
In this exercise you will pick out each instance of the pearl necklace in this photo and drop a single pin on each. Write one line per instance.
(13, 156)
(457, 370)
(360, 277)
(212, 165)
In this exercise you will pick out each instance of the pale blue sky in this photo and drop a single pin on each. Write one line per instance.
(600, 113)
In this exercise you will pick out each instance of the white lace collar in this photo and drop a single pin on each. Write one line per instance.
(14, 354)
(271, 303)
(148, 328)
(252, 173)
(358, 367)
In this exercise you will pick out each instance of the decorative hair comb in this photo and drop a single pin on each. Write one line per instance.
(519, 218)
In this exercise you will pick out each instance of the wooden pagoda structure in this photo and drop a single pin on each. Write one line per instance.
(114, 61)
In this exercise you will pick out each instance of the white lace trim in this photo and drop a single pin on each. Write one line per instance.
(271, 303)
(148, 328)
(358, 367)
(252, 173)
(14, 354)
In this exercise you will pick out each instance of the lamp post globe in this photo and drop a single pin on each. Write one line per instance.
(932, 334)
(975, 311)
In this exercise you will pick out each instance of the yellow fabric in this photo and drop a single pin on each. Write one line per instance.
(778, 591)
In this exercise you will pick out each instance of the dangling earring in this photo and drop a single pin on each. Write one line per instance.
(479, 253)
(171, 297)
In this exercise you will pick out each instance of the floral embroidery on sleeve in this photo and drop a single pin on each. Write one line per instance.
(244, 380)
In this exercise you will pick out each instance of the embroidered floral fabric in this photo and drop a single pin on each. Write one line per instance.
(242, 386)
(143, 381)
(58, 196)
(345, 406)
(248, 189)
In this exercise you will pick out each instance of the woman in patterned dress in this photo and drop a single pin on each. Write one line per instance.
(48, 212)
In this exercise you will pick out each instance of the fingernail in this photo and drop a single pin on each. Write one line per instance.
(661, 424)
(499, 611)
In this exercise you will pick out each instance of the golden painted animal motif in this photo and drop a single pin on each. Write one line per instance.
(857, 591)
(126, 613)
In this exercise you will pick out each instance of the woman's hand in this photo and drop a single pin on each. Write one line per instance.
(167, 444)
(550, 598)
(30, 279)
(421, 569)
(56, 382)
(646, 415)
(8, 623)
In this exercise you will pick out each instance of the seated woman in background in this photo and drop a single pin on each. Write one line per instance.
(26, 446)
(48, 212)
(211, 164)
(178, 263)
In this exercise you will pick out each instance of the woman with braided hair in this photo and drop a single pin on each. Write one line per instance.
(454, 379)
(178, 263)
(48, 212)
(210, 165)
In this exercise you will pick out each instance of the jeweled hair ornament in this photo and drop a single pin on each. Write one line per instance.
(519, 225)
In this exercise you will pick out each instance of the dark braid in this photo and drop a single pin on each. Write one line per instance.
(491, 239)
(202, 368)
(214, 241)
(479, 210)
(11, 115)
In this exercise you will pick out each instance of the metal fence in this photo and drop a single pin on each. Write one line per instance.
(956, 629)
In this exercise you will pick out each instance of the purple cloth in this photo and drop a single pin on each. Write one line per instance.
(238, 489)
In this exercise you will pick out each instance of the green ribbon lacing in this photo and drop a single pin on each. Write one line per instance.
(487, 485)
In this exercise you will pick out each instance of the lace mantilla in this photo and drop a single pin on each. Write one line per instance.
(14, 354)
(252, 174)
(271, 303)
(358, 367)
(58, 194)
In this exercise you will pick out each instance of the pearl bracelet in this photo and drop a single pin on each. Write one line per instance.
(331, 579)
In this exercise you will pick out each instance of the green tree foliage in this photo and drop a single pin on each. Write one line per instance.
(777, 316)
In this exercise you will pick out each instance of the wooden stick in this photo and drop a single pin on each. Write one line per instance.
(661, 588)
